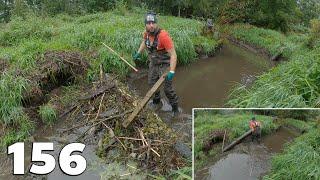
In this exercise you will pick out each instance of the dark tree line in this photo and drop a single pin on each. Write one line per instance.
(274, 14)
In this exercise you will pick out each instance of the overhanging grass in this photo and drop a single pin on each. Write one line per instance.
(268, 39)
(291, 84)
(301, 126)
(300, 160)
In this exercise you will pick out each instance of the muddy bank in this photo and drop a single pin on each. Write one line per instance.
(248, 160)
(55, 69)
(274, 59)
(207, 82)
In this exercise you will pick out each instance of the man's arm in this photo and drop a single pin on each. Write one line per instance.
(142, 47)
(173, 59)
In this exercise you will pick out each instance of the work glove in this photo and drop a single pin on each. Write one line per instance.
(170, 75)
(136, 56)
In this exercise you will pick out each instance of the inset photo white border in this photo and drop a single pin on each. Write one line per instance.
(193, 123)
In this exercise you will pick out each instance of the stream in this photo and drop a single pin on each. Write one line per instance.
(207, 82)
(248, 160)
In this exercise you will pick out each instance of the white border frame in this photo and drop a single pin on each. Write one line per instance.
(193, 109)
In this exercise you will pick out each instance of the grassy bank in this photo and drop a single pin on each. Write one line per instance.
(24, 43)
(293, 83)
(300, 160)
(235, 124)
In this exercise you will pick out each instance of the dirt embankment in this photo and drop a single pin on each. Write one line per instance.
(55, 69)
(258, 50)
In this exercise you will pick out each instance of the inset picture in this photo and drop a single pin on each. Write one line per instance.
(246, 144)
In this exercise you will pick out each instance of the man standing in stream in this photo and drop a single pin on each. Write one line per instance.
(255, 127)
(162, 56)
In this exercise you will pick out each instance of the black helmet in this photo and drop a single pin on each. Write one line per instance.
(150, 17)
(253, 118)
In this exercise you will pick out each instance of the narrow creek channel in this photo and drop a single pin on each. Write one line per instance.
(248, 160)
(207, 82)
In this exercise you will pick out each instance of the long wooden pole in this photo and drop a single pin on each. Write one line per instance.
(120, 57)
(144, 101)
(224, 137)
(237, 140)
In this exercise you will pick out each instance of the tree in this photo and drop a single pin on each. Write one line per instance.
(5, 10)
(310, 9)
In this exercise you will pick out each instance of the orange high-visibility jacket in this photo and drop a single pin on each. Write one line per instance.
(253, 124)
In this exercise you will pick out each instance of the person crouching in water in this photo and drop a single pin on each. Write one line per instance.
(255, 127)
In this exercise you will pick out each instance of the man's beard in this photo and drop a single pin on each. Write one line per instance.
(153, 32)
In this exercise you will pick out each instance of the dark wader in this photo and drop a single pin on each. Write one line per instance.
(256, 134)
(159, 62)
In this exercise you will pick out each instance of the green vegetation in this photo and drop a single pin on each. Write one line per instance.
(300, 160)
(299, 125)
(12, 117)
(236, 124)
(294, 83)
(24, 41)
(48, 114)
(274, 14)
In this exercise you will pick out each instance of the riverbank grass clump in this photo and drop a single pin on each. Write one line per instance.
(294, 83)
(300, 160)
(48, 114)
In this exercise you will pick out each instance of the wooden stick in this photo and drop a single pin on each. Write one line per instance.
(149, 145)
(120, 57)
(144, 101)
(124, 147)
(111, 117)
(224, 136)
(100, 106)
(137, 139)
(237, 140)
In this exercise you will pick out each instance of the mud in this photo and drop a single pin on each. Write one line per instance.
(207, 82)
(248, 160)
(55, 69)
(109, 146)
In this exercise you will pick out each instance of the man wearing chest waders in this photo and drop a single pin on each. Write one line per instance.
(162, 56)
(255, 126)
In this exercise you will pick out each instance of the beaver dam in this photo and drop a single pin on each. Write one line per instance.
(248, 160)
(93, 113)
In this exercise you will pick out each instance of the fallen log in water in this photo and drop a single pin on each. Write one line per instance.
(237, 140)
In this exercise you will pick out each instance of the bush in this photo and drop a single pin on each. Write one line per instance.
(314, 36)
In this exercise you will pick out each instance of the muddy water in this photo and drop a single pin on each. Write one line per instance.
(96, 168)
(248, 160)
(207, 82)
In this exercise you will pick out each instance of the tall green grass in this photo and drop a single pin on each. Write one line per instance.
(11, 89)
(299, 161)
(295, 83)
(85, 33)
(17, 123)
(291, 84)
